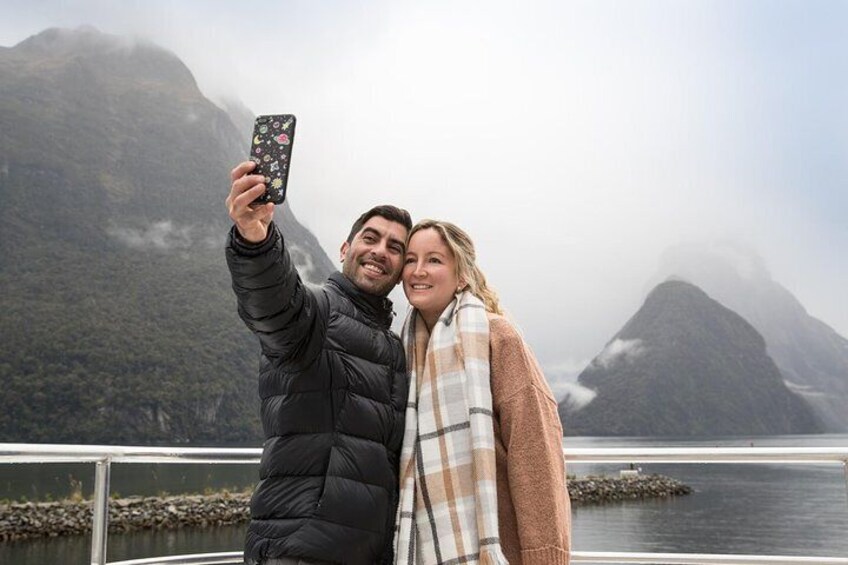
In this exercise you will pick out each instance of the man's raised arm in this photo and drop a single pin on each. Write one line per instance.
(272, 300)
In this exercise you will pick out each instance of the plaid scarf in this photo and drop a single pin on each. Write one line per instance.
(448, 509)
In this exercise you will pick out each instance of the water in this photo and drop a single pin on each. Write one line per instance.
(25, 482)
(747, 509)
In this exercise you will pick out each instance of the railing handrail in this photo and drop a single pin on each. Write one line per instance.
(780, 455)
(104, 455)
(61, 453)
(235, 558)
(64, 453)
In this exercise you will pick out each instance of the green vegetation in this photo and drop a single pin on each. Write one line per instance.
(119, 324)
(124, 348)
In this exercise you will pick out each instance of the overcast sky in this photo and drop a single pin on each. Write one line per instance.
(574, 141)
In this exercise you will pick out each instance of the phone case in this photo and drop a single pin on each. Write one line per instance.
(273, 137)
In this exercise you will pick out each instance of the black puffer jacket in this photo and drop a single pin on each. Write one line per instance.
(333, 386)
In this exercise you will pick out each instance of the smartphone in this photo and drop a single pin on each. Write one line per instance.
(271, 149)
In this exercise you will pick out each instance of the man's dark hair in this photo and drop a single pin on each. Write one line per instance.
(391, 213)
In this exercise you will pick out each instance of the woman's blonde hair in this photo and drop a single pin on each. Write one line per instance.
(467, 270)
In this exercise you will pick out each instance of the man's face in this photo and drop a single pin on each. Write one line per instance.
(373, 260)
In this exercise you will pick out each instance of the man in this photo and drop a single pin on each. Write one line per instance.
(333, 385)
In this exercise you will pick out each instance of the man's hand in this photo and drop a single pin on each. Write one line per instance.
(251, 221)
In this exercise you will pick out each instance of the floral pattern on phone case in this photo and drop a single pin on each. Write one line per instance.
(271, 148)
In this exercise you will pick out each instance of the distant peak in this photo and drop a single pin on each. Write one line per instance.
(64, 37)
(723, 258)
(87, 28)
(677, 278)
(111, 56)
(675, 283)
(673, 293)
(58, 41)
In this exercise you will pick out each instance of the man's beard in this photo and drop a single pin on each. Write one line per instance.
(353, 270)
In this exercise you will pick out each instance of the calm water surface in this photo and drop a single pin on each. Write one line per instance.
(747, 509)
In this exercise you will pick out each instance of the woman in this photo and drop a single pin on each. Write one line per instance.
(482, 471)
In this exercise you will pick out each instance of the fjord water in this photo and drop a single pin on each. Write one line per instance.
(746, 509)
(743, 508)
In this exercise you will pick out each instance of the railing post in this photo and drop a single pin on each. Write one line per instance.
(100, 526)
(845, 466)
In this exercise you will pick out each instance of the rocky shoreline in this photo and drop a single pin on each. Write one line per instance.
(19, 521)
(584, 491)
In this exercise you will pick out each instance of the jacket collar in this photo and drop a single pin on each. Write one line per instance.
(378, 308)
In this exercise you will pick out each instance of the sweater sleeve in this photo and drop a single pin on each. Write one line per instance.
(532, 435)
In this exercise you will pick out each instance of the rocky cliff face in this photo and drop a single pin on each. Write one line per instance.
(684, 365)
(812, 357)
(119, 323)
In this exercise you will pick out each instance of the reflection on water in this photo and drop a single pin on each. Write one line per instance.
(747, 509)
(77, 549)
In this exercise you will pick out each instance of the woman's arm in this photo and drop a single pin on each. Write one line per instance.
(532, 435)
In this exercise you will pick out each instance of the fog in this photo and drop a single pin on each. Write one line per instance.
(574, 141)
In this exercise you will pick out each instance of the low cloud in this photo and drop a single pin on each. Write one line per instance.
(562, 378)
(304, 264)
(573, 395)
(710, 264)
(565, 370)
(804, 390)
(625, 350)
(159, 235)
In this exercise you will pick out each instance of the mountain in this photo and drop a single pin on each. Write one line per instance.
(119, 324)
(812, 357)
(684, 365)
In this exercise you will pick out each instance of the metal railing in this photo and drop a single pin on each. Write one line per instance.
(104, 456)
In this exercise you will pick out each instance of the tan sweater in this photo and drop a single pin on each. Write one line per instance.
(534, 511)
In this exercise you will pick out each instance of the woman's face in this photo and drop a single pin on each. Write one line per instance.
(429, 274)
